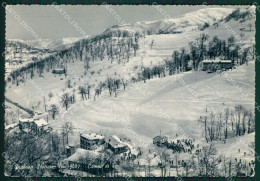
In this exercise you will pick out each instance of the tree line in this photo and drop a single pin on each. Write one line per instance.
(227, 124)
(199, 50)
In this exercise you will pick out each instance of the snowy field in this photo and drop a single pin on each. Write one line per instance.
(143, 110)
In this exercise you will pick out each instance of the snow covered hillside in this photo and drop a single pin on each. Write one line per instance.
(18, 53)
(56, 44)
(141, 79)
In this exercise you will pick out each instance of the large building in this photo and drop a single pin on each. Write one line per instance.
(115, 144)
(87, 160)
(213, 65)
(87, 141)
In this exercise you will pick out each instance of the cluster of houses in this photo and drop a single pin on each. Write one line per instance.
(31, 125)
(95, 153)
(113, 143)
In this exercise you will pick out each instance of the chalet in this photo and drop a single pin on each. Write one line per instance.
(59, 71)
(115, 144)
(160, 140)
(87, 141)
(87, 160)
(213, 65)
(40, 126)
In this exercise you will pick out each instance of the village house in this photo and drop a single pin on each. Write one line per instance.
(115, 144)
(87, 141)
(40, 126)
(36, 126)
(88, 161)
(213, 65)
(160, 140)
(59, 71)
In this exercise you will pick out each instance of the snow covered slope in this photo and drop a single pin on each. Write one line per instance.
(141, 111)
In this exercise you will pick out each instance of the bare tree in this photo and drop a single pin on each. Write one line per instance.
(188, 165)
(44, 102)
(68, 83)
(226, 122)
(238, 110)
(67, 128)
(50, 95)
(54, 111)
(124, 82)
(83, 92)
(88, 91)
(110, 85)
(65, 100)
(250, 26)
(164, 157)
(209, 160)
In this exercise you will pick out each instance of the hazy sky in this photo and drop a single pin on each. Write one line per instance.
(49, 23)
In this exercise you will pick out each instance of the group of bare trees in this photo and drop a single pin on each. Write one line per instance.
(117, 46)
(67, 99)
(204, 162)
(237, 14)
(199, 50)
(83, 91)
(24, 151)
(149, 73)
(232, 122)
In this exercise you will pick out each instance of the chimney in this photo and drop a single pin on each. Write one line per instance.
(160, 133)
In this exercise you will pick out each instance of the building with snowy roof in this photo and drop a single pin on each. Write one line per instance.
(36, 126)
(87, 141)
(87, 160)
(115, 144)
(216, 64)
(59, 71)
(40, 126)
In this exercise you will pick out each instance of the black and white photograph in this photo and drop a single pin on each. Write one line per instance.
(129, 91)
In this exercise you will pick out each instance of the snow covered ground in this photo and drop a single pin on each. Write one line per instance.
(144, 109)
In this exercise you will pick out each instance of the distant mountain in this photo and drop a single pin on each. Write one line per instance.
(56, 44)
(187, 22)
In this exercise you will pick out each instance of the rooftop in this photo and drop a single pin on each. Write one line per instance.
(115, 141)
(216, 61)
(93, 136)
(82, 154)
(159, 138)
(24, 120)
(11, 126)
(41, 122)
